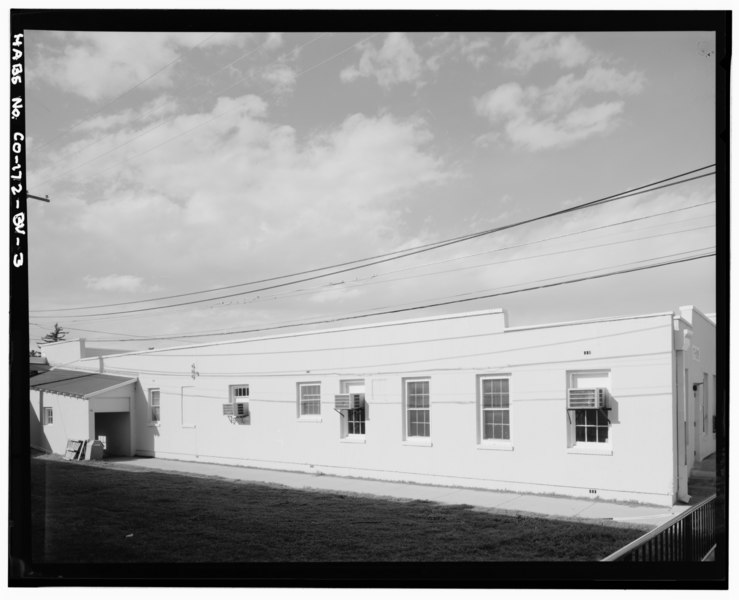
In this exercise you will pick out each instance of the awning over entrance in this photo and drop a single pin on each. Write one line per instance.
(77, 383)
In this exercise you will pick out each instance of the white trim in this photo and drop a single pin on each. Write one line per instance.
(353, 439)
(594, 448)
(496, 445)
(418, 441)
(411, 438)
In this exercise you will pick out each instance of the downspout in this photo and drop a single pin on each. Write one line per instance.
(680, 341)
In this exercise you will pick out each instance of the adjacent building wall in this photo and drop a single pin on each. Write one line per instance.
(452, 353)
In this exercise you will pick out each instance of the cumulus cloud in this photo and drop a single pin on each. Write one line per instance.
(450, 47)
(281, 77)
(529, 50)
(574, 108)
(396, 61)
(101, 65)
(238, 197)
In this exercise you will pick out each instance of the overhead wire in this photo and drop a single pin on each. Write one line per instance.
(455, 300)
(581, 232)
(387, 257)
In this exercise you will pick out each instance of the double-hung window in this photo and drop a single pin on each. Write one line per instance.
(418, 409)
(48, 415)
(495, 406)
(589, 426)
(309, 399)
(154, 404)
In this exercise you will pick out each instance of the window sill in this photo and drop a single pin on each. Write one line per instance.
(600, 449)
(505, 446)
(418, 442)
(353, 439)
(188, 426)
(310, 419)
(153, 424)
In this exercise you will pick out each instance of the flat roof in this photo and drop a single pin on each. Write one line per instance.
(478, 313)
(79, 384)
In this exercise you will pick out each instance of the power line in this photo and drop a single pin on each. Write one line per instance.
(646, 217)
(437, 304)
(387, 257)
(373, 279)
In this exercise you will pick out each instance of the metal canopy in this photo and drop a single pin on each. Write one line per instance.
(77, 383)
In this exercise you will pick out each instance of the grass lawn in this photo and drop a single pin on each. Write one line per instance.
(88, 514)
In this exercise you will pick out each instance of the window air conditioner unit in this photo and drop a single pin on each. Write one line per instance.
(348, 401)
(587, 398)
(236, 409)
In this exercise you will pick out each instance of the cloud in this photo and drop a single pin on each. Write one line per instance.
(395, 62)
(101, 65)
(453, 47)
(573, 108)
(114, 283)
(529, 50)
(281, 77)
(229, 195)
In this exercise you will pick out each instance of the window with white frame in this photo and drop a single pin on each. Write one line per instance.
(495, 406)
(239, 397)
(417, 408)
(154, 404)
(48, 415)
(309, 399)
(353, 419)
(588, 425)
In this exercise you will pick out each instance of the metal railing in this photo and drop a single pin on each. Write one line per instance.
(691, 536)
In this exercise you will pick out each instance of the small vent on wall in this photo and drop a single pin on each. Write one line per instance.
(587, 352)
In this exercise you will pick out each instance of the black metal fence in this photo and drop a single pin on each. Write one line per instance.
(691, 536)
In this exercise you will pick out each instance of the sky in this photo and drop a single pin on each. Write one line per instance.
(178, 163)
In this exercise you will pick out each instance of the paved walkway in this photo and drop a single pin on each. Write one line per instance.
(550, 506)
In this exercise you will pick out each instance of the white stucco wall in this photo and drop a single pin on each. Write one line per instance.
(72, 421)
(700, 360)
(637, 464)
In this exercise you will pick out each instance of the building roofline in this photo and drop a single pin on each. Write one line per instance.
(476, 313)
(698, 311)
(595, 320)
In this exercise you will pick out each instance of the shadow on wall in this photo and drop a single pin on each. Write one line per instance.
(39, 440)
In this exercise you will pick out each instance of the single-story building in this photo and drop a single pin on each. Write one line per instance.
(614, 408)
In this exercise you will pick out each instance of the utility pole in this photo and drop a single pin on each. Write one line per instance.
(46, 199)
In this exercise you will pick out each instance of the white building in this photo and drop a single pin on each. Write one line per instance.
(616, 408)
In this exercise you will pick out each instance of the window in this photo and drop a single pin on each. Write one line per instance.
(154, 403)
(309, 399)
(48, 416)
(239, 398)
(591, 426)
(239, 393)
(588, 425)
(418, 414)
(353, 420)
(494, 402)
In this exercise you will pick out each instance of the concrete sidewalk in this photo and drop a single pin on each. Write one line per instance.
(647, 516)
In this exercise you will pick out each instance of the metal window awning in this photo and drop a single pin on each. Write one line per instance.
(77, 383)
